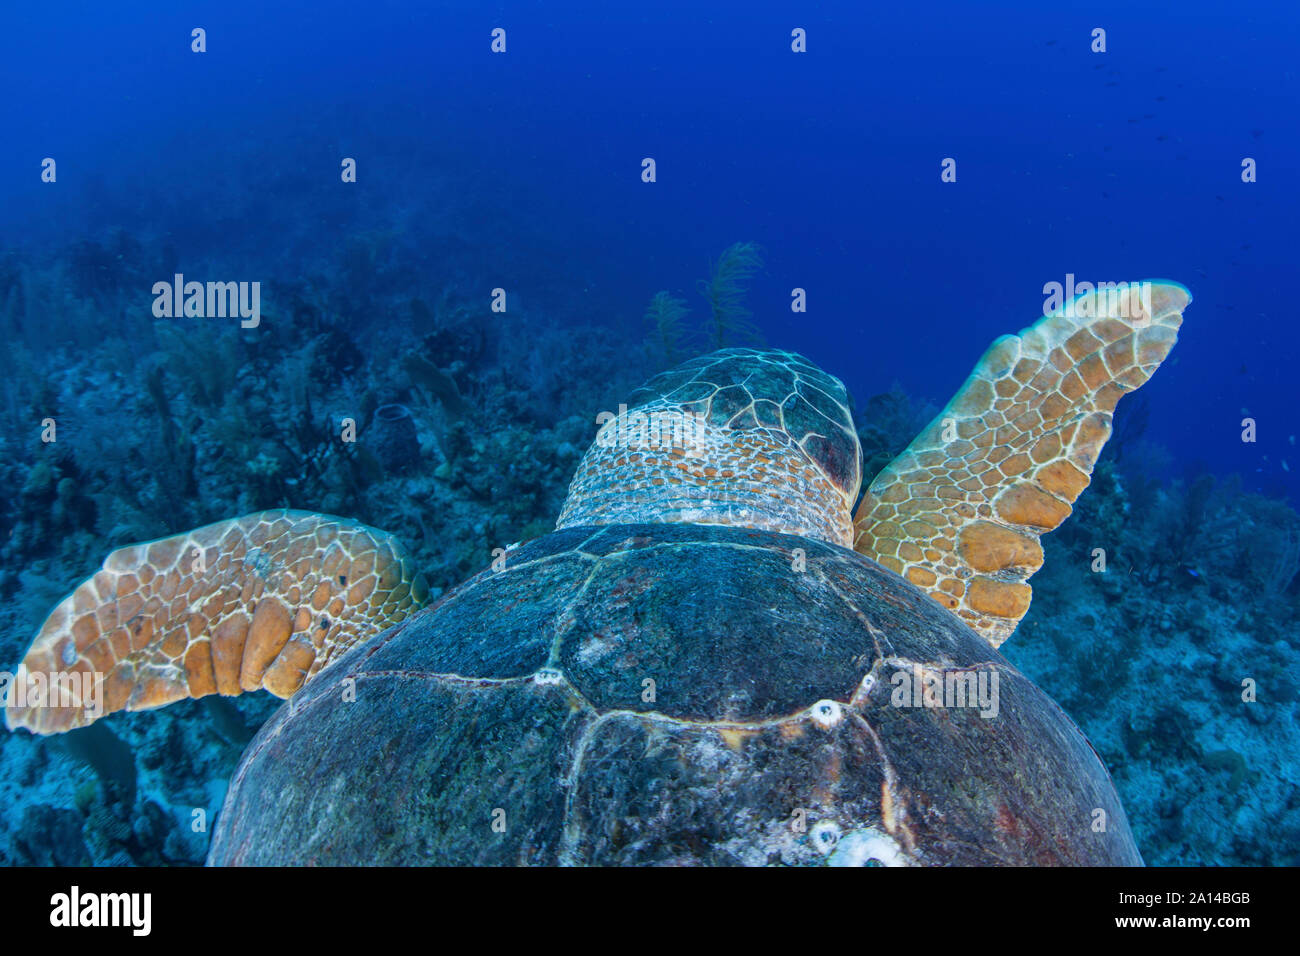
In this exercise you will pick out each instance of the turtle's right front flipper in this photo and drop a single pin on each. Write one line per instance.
(960, 511)
(262, 601)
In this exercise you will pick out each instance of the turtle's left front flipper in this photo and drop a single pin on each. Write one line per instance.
(259, 602)
(960, 511)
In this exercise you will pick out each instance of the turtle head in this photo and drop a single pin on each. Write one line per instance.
(744, 437)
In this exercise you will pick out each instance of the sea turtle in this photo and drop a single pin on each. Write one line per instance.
(712, 659)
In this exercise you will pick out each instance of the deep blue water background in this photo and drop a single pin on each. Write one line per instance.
(1114, 166)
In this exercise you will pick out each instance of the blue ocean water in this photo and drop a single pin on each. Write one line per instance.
(1108, 166)
(523, 170)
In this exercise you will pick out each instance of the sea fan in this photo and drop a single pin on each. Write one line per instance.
(665, 314)
(725, 290)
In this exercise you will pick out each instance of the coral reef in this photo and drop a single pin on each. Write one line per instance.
(1157, 655)
(164, 425)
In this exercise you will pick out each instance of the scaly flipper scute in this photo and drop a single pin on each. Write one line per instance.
(262, 601)
(959, 513)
